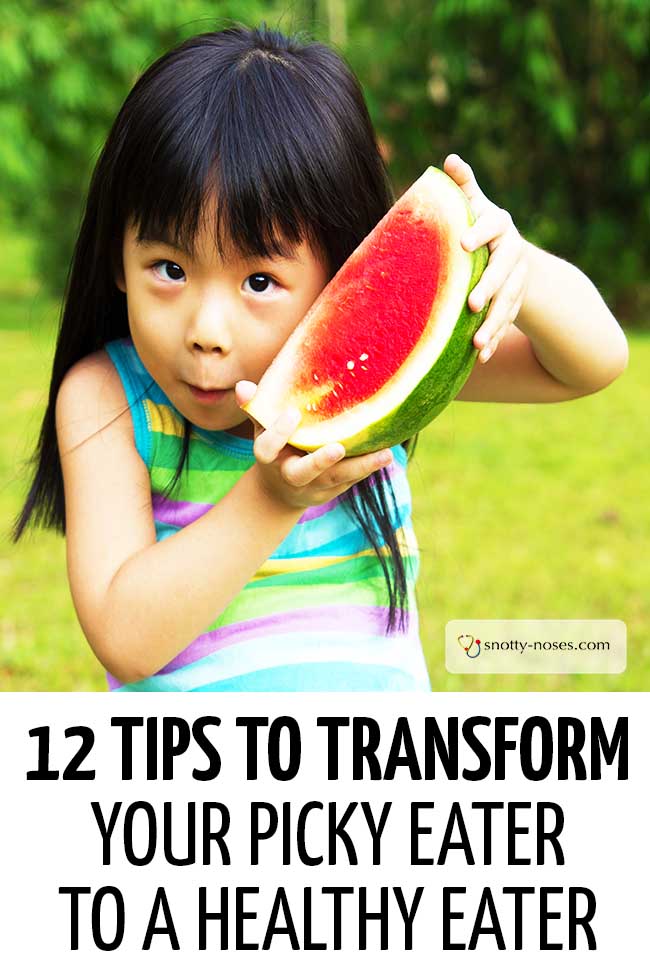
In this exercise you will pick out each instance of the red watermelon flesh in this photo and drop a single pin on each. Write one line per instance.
(383, 300)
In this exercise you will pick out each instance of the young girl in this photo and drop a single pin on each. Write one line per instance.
(205, 553)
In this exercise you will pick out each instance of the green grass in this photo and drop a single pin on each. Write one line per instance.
(521, 512)
(538, 512)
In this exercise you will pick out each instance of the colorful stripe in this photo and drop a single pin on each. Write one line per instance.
(358, 619)
(242, 660)
(314, 616)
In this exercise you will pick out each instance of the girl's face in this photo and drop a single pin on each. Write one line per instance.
(201, 325)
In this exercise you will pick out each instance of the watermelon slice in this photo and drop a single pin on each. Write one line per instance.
(388, 342)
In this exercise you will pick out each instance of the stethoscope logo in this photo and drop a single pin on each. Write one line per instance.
(466, 641)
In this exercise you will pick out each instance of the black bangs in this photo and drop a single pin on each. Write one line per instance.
(237, 119)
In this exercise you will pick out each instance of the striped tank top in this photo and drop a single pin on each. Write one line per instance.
(313, 617)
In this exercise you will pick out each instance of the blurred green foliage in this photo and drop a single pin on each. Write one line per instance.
(65, 68)
(548, 101)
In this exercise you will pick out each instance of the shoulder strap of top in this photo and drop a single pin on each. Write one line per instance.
(137, 384)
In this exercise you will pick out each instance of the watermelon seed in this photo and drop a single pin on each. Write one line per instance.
(350, 364)
(315, 378)
(364, 355)
(365, 368)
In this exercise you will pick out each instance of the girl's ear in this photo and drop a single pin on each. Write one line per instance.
(118, 274)
(118, 269)
(119, 279)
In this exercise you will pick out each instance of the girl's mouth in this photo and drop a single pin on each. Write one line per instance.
(207, 395)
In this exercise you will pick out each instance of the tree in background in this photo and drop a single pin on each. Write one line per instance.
(549, 101)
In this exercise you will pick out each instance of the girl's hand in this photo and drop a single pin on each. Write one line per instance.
(298, 479)
(506, 274)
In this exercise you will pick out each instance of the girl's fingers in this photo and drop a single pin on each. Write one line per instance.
(503, 313)
(502, 265)
(503, 306)
(487, 229)
(462, 174)
(357, 468)
(300, 471)
(244, 391)
(500, 316)
(270, 442)
(328, 463)
(488, 350)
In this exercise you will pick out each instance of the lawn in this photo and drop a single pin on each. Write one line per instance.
(522, 512)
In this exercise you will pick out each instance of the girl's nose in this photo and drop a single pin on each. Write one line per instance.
(211, 330)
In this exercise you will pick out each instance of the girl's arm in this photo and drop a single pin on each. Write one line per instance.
(140, 602)
(566, 342)
(572, 331)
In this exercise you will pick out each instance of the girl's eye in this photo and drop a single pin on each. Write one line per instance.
(175, 271)
(259, 284)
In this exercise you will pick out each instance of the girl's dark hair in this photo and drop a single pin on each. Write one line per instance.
(279, 129)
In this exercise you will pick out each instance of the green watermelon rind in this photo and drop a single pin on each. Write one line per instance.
(435, 390)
